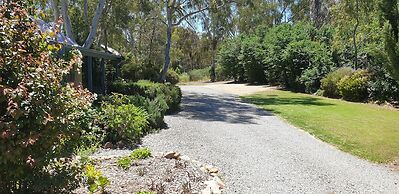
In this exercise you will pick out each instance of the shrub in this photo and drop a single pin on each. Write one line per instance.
(141, 153)
(228, 59)
(123, 121)
(172, 77)
(171, 93)
(329, 84)
(135, 70)
(307, 62)
(199, 74)
(41, 114)
(383, 88)
(124, 162)
(221, 74)
(354, 87)
(155, 108)
(184, 77)
(251, 59)
(95, 180)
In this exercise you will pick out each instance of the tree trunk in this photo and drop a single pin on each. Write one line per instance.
(213, 66)
(67, 21)
(93, 29)
(354, 34)
(168, 42)
(167, 53)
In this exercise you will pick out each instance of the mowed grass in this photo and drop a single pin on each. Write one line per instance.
(365, 130)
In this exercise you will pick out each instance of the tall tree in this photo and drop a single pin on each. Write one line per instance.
(68, 24)
(176, 12)
(218, 23)
(390, 12)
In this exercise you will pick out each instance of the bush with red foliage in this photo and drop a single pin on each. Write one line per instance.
(40, 114)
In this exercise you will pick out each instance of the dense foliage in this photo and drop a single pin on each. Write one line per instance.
(171, 93)
(41, 115)
(123, 120)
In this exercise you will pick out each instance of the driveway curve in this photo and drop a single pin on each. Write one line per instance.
(259, 153)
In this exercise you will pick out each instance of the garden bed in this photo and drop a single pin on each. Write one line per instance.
(160, 173)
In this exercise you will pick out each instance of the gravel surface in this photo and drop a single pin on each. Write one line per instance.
(259, 153)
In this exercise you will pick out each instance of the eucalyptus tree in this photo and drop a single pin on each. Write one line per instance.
(218, 23)
(61, 9)
(177, 12)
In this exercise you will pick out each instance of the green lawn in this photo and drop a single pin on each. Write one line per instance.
(365, 130)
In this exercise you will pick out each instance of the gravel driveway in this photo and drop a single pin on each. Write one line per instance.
(259, 153)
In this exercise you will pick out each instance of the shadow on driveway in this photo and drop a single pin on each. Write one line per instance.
(223, 108)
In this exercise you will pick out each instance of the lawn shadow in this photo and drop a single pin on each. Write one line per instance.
(276, 100)
(206, 107)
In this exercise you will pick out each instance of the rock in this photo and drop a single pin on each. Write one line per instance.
(213, 174)
(213, 170)
(172, 155)
(184, 158)
(213, 187)
(108, 145)
(208, 166)
(219, 182)
(207, 190)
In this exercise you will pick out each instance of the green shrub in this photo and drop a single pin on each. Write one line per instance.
(123, 121)
(250, 58)
(171, 93)
(41, 114)
(221, 74)
(184, 77)
(199, 74)
(172, 77)
(228, 59)
(382, 87)
(307, 62)
(355, 87)
(329, 84)
(136, 70)
(155, 108)
(95, 180)
(141, 153)
(124, 162)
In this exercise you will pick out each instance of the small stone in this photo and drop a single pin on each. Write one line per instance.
(108, 145)
(172, 155)
(208, 166)
(184, 158)
(213, 186)
(213, 170)
(213, 174)
(219, 182)
(207, 190)
(169, 155)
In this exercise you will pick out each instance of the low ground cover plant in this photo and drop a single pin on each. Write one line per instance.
(137, 154)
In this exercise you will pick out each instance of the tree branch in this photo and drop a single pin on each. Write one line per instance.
(93, 30)
(188, 15)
